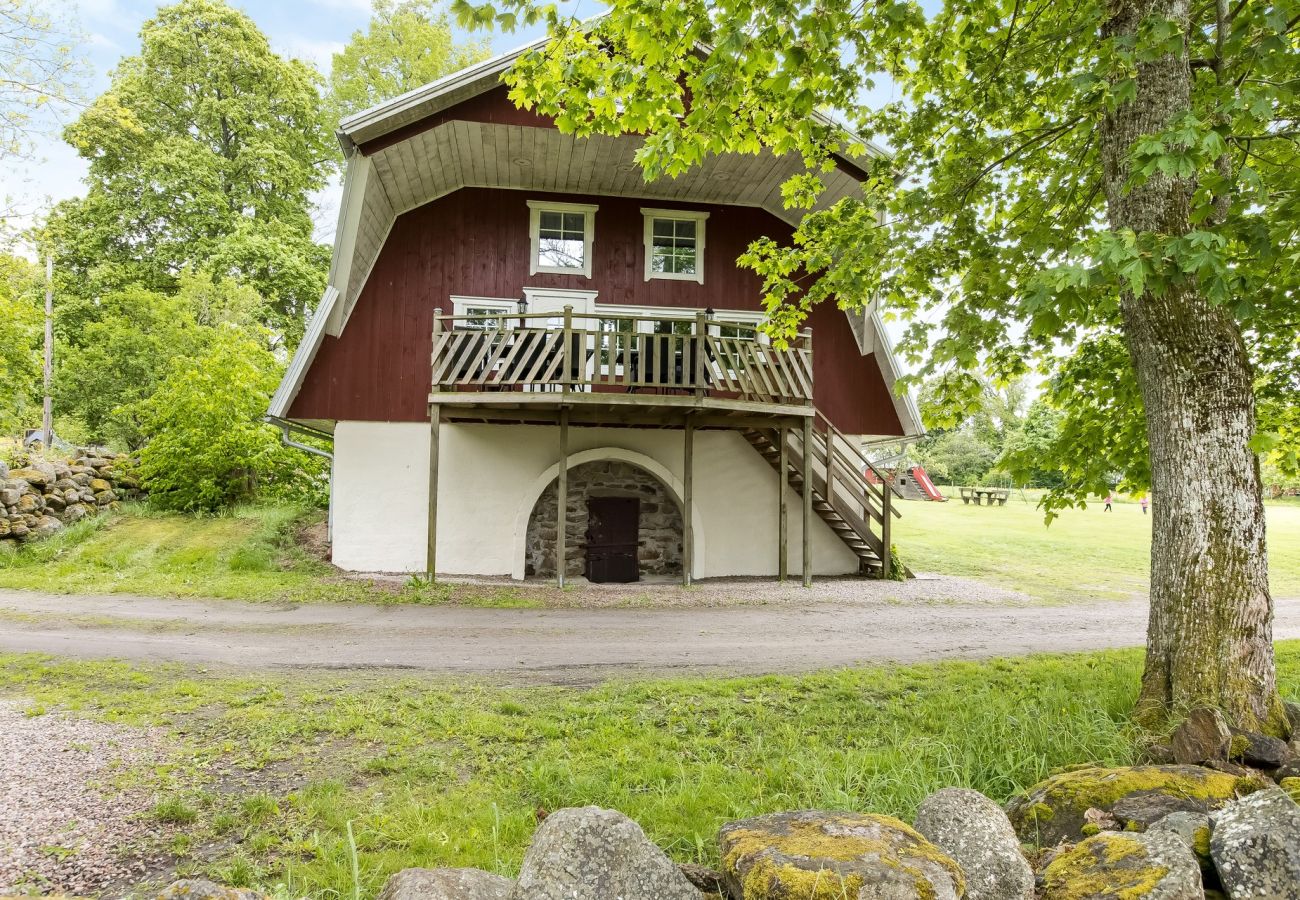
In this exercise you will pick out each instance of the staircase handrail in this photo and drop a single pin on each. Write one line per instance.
(842, 441)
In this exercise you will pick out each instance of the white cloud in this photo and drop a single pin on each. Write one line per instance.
(319, 53)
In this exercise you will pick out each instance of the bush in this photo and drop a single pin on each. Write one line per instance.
(208, 446)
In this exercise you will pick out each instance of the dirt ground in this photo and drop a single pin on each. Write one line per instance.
(576, 645)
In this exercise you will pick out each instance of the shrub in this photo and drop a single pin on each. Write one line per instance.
(208, 446)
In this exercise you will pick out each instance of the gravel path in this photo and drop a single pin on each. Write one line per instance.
(64, 826)
(573, 645)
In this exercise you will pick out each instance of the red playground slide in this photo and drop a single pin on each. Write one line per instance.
(925, 484)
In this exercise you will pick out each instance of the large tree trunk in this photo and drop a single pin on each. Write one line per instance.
(1209, 639)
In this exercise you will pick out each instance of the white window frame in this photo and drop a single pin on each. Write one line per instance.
(720, 316)
(535, 210)
(461, 305)
(695, 216)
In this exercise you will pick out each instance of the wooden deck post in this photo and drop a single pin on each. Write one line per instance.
(566, 350)
(783, 528)
(886, 513)
(562, 502)
(435, 421)
(701, 340)
(807, 500)
(688, 501)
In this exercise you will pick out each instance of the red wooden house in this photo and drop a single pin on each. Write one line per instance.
(526, 355)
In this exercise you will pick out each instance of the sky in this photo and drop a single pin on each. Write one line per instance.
(310, 30)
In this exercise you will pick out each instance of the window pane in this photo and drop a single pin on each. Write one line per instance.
(560, 253)
(575, 223)
(552, 221)
(662, 228)
(686, 228)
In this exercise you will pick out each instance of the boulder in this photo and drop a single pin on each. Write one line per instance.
(66, 484)
(446, 884)
(103, 498)
(18, 529)
(54, 501)
(1292, 714)
(1256, 845)
(1204, 735)
(94, 462)
(1290, 785)
(74, 513)
(201, 889)
(29, 503)
(33, 476)
(4, 470)
(1119, 866)
(709, 881)
(976, 833)
(590, 853)
(1255, 749)
(9, 495)
(99, 484)
(1194, 830)
(829, 854)
(81, 478)
(4, 526)
(1053, 810)
(46, 526)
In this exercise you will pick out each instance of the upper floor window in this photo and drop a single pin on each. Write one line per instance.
(674, 244)
(483, 312)
(561, 236)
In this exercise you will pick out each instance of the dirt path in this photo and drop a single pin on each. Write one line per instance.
(561, 645)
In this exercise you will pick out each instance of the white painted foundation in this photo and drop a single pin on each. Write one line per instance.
(491, 475)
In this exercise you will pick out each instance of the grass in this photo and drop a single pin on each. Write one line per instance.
(430, 772)
(1083, 554)
(249, 553)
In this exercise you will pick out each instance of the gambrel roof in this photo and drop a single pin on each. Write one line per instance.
(461, 131)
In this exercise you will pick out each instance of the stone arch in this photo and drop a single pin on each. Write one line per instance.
(653, 467)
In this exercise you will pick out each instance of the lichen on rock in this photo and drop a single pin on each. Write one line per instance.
(1054, 809)
(1125, 866)
(816, 855)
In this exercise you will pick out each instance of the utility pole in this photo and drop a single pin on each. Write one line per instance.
(47, 422)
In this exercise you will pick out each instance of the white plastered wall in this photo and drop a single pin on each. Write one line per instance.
(490, 475)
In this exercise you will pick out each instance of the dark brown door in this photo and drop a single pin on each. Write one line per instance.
(612, 531)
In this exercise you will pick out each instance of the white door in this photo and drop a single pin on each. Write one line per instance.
(545, 300)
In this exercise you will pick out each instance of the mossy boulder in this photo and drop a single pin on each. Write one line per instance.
(1054, 810)
(1123, 866)
(815, 855)
(1292, 787)
(1256, 845)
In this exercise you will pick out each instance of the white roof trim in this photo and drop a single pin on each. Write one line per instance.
(303, 356)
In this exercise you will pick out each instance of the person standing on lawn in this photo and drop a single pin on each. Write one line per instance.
(1144, 501)
(1110, 498)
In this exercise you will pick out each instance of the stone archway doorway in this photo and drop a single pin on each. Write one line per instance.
(658, 526)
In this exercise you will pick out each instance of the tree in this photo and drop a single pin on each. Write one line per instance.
(1115, 174)
(407, 44)
(125, 354)
(38, 71)
(208, 447)
(203, 154)
(21, 333)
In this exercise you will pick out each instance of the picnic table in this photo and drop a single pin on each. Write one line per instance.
(985, 495)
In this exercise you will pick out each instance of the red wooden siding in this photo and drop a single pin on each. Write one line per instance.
(474, 242)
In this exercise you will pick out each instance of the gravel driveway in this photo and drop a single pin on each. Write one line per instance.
(575, 645)
(65, 827)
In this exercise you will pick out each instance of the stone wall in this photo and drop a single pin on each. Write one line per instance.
(660, 526)
(43, 495)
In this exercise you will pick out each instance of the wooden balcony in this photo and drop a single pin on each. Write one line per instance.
(631, 368)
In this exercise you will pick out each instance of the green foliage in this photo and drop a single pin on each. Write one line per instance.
(21, 336)
(202, 154)
(38, 69)
(122, 356)
(207, 446)
(987, 229)
(407, 44)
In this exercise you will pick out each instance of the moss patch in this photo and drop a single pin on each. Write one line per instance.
(1110, 866)
(829, 856)
(1053, 810)
(1292, 787)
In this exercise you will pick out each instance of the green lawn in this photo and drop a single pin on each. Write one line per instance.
(1083, 554)
(255, 553)
(437, 772)
(251, 553)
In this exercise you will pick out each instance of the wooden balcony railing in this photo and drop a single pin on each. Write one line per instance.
(592, 353)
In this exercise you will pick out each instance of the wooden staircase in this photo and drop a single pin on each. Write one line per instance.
(859, 512)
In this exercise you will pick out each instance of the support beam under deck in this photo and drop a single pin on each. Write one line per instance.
(562, 502)
(688, 502)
